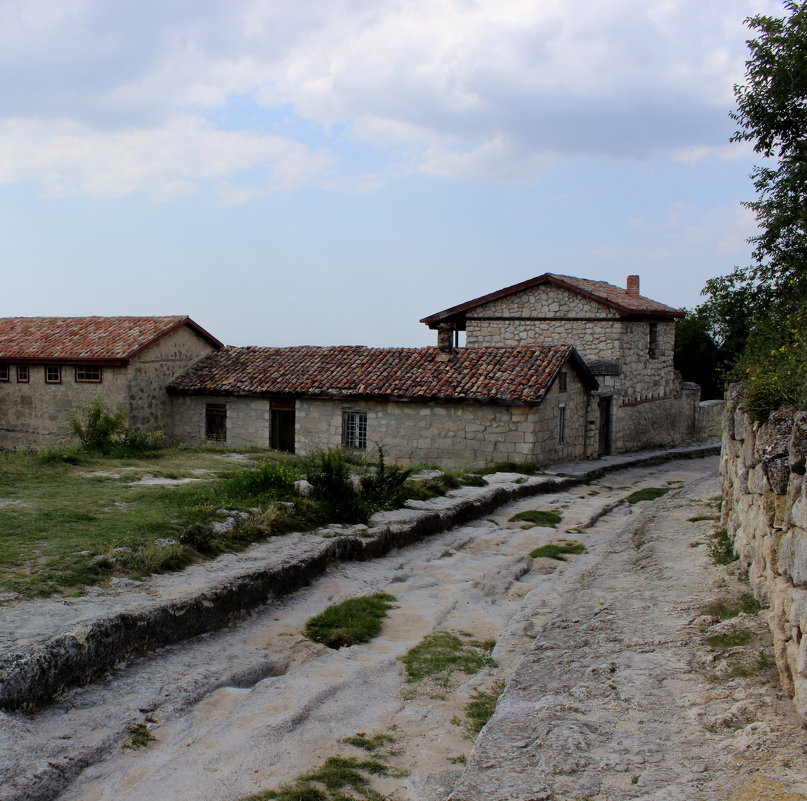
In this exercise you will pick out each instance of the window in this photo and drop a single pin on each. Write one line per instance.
(53, 374)
(216, 421)
(5, 372)
(563, 381)
(23, 374)
(561, 425)
(88, 374)
(354, 430)
(652, 341)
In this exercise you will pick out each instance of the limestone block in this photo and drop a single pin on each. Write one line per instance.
(797, 445)
(791, 557)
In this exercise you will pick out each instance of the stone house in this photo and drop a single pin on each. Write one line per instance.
(48, 365)
(625, 339)
(457, 407)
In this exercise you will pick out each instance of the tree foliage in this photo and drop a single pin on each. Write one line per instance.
(757, 313)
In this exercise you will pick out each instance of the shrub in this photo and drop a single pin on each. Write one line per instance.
(97, 425)
(329, 474)
(385, 487)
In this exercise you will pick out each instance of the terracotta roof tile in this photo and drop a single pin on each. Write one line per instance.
(85, 338)
(505, 375)
(614, 297)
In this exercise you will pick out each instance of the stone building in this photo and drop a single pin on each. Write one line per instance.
(48, 365)
(625, 339)
(456, 407)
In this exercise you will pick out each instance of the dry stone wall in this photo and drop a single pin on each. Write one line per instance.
(765, 513)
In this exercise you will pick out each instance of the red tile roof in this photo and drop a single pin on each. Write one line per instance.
(614, 297)
(489, 374)
(86, 339)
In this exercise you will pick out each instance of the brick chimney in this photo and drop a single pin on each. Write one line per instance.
(633, 285)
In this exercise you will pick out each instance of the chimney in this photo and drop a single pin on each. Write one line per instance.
(445, 338)
(633, 285)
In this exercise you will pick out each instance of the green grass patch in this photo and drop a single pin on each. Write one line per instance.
(721, 547)
(139, 736)
(440, 654)
(371, 744)
(538, 517)
(556, 550)
(733, 639)
(480, 708)
(350, 622)
(724, 610)
(647, 494)
(699, 518)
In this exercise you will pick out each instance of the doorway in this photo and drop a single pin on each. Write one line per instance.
(604, 440)
(281, 437)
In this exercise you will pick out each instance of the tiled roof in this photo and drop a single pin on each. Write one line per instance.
(504, 375)
(86, 338)
(617, 298)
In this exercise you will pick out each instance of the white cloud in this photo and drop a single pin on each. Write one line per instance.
(69, 158)
(450, 87)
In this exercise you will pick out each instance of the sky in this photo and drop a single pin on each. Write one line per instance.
(331, 171)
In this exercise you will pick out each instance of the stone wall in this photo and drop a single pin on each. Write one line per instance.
(153, 369)
(449, 434)
(765, 513)
(35, 414)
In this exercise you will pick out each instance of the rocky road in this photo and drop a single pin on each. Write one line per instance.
(611, 691)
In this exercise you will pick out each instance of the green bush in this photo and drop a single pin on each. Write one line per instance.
(385, 487)
(340, 500)
(98, 426)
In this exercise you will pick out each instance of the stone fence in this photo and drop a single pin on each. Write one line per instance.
(765, 513)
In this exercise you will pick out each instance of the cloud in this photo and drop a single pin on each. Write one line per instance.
(170, 161)
(457, 88)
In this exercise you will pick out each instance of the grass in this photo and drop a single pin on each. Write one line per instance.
(65, 515)
(350, 622)
(538, 517)
(139, 736)
(647, 494)
(724, 642)
(556, 550)
(721, 547)
(440, 654)
(480, 708)
(724, 610)
(698, 518)
(339, 778)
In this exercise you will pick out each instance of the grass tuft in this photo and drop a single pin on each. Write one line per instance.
(440, 654)
(480, 708)
(647, 494)
(538, 517)
(350, 622)
(139, 736)
(724, 610)
(721, 548)
(733, 639)
(556, 550)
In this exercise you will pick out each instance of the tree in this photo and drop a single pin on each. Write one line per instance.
(758, 312)
(697, 357)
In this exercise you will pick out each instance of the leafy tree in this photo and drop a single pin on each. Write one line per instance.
(757, 313)
(697, 356)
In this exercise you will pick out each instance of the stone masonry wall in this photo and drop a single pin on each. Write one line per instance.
(35, 414)
(248, 420)
(153, 369)
(765, 513)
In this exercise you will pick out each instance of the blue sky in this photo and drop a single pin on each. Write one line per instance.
(329, 172)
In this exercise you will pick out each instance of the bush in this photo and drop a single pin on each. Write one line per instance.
(385, 487)
(101, 429)
(329, 474)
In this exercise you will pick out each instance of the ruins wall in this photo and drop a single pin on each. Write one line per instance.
(765, 513)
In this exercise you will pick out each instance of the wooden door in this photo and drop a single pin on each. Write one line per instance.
(282, 435)
(604, 445)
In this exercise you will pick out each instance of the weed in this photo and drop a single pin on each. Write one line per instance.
(538, 517)
(372, 743)
(350, 622)
(459, 759)
(557, 550)
(698, 518)
(721, 548)
(139, 736)
(480, 708)
(634, 780)
(439, 654)
(724, 610)
(724, 642)
(647, 494)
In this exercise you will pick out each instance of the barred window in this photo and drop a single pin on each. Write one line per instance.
(88, 374)
(53, 374)
(354, 430)
(23, 374)
(216, 421)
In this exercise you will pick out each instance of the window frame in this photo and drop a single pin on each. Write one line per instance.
(213, 412)
(58, 369)
(5, 372)
(23, 373)
(563, 381)
(354, 429)
(87, 368)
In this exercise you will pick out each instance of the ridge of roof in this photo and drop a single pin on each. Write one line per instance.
(487, 374)
(111, 339)
(609, 295)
